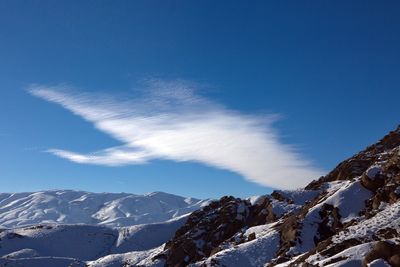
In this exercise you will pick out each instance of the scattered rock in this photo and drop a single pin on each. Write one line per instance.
(251, 236)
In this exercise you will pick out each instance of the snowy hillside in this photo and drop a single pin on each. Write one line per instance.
(73, 245)
(77, 207)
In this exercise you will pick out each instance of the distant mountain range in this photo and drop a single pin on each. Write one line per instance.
(108, 209)
(349, 217)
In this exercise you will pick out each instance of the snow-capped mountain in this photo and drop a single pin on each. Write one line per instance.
(76, 228)
(350, 217)
(108, 209)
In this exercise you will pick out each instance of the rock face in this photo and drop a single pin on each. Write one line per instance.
(350, 216)
(206, 229)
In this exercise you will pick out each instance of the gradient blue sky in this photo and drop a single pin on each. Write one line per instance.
(330, 69)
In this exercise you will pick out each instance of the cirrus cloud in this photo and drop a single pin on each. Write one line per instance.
(172, 122)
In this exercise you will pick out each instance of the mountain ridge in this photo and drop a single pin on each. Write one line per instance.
(110, 209)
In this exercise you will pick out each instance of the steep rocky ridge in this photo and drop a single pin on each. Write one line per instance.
(350, 216)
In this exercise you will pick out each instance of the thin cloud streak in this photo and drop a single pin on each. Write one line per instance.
(171, 122)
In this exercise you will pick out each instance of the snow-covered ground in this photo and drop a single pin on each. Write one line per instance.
(63, 245)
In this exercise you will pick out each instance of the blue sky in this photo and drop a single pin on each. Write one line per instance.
(327, 72)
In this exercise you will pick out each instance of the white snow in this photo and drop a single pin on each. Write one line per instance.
(23, 253)
(378, 263)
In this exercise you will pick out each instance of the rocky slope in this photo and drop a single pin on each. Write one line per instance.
(350, 217)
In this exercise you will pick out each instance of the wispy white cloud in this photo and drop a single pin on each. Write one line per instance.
(172, 122)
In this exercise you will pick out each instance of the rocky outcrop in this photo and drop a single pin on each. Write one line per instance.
(207, 229)
(360, 162)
